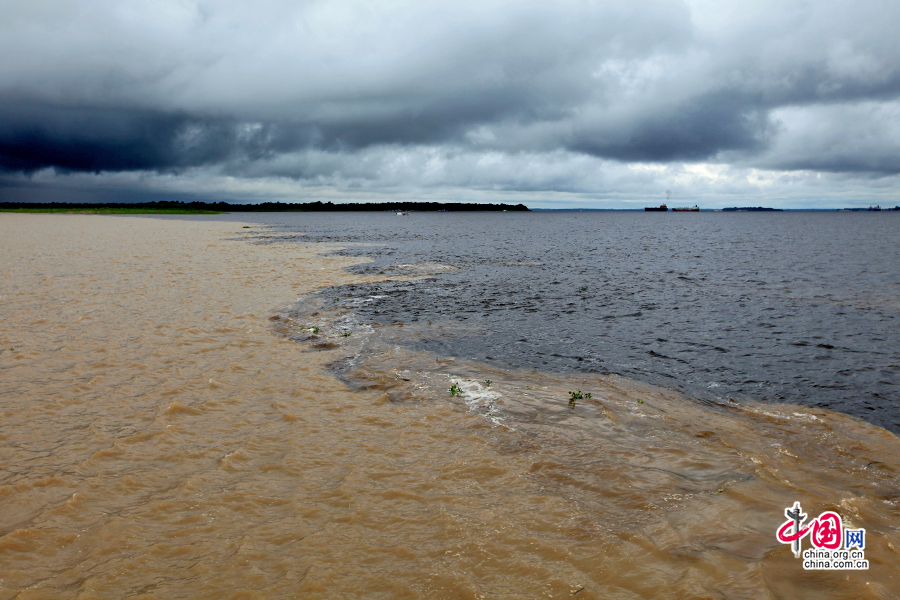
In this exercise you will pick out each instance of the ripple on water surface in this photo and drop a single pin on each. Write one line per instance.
(613, 475)
(791, 307)
(159, 441)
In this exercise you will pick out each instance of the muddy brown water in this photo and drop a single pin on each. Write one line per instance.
(172, 427)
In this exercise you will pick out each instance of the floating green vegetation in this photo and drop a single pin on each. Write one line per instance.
(246, 227)
(640, 401)
(488, 382)
(455, 390)
(579, 395)
(313, 329)
(346, 333)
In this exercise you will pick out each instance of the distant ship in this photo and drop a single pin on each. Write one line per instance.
(662, 207)
(694, 208)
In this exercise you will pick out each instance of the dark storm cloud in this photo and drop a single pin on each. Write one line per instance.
(34, 136)
(703, 127)
(343, 76)
(102, 86)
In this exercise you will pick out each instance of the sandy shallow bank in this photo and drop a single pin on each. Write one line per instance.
(163, 439)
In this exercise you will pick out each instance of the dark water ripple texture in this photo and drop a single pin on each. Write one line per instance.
(795, 306)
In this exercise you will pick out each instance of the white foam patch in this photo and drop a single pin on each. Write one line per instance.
(806, 416)
(426, 267)
(479, 397)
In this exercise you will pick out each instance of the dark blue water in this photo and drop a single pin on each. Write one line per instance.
(799, 307)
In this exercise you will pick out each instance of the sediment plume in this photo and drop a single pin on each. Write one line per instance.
(181, 419)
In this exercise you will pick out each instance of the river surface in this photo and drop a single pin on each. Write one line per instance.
(302, 406)
(800, 307)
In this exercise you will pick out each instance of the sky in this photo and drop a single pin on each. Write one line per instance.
(575, 104)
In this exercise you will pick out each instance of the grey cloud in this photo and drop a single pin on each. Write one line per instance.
(33, 137)
(85, 138)
(706, 125)
(167, 86)
(861, 138)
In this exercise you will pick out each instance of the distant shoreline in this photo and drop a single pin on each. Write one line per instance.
(218, 208)
(166, 207)
(728, 209)
(112, 211)
(751, 209)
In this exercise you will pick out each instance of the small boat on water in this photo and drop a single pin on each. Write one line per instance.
(694, 208)
(660, 208)
(403, 213)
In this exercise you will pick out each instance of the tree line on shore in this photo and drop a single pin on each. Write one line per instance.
(166, 205)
